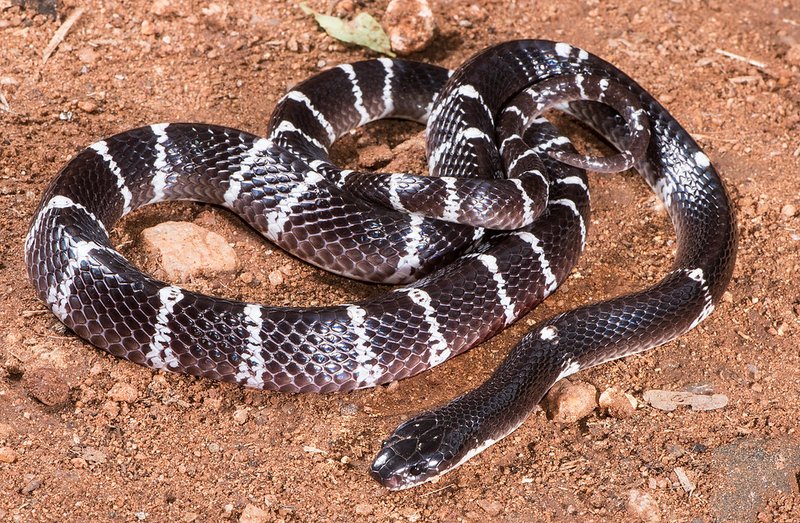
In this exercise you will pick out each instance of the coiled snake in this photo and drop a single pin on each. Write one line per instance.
(478, 244)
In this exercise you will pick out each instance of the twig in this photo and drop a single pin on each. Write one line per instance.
(438, 490)
(34, 312)
(61, 33)
(754, 63)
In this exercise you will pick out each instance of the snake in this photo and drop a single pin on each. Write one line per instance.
(491, 232)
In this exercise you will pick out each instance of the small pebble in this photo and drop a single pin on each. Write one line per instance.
(349, 409)
(31, 485)
(643, 507)
(253, 514)
(47, 385)
(87, 55)
(410, 24)
(147, 28)
(110, 408)
(87, 106)
(6, 430)
(214, 448)
(187, 250)
(788, 210)
(123, 392)
(240, 416)
(617, 403)
(793, 55)
(7, 455)
(492, 508)
(568, 402)
(364, 509)
(161, 7)
(275, 278)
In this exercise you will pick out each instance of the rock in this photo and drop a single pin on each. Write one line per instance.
(7, 455)
(87, 106)
(410, 25)
(93, 456)
(253, 514)
(162, 8)
(618, 404)
(147, 28)
(6, 430)
(275, 277)
(793, 55)
(110, 408)
(240, 416)
(87, 55)
(364, 509)
(32, 484)
(187, 250)
(752, 471)
(47, 385)
(493, 508)
(568, 402)
(643, 507)
(789, 210)
(669, 400)
(123, 392)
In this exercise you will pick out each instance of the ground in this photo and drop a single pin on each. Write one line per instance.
(125, 444)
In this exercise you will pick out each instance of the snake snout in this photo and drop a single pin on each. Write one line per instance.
(416, 452)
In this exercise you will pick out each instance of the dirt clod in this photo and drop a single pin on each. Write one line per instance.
(47, 385)
(568, 402)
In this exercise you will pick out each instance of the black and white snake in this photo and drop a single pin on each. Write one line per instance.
(476, 248)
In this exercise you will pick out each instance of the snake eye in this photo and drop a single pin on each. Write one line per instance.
(418, 469)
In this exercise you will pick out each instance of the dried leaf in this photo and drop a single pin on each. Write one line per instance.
(362, 30)
(669, 400)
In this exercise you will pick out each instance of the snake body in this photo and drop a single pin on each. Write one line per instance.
(471, 265)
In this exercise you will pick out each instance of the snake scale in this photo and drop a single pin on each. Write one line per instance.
(495, 229)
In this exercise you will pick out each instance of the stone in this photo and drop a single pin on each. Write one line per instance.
(492, 508)
(7, 455)
(240, 415)
(123, 392)
(410, 24)
(275, 278)
(793, 55)
(87, 55)
(253, 514)
(569, 402)
(617, 403)
(364, 509)
(187, 250)
(643, 507)
(87, 106)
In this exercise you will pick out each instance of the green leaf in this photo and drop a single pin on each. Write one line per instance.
(363, 30)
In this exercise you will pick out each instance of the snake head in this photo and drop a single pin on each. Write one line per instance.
(419, 450)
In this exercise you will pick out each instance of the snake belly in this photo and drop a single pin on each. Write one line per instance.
(464, 283)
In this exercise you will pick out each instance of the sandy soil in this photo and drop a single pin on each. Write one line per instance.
(170, 448)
